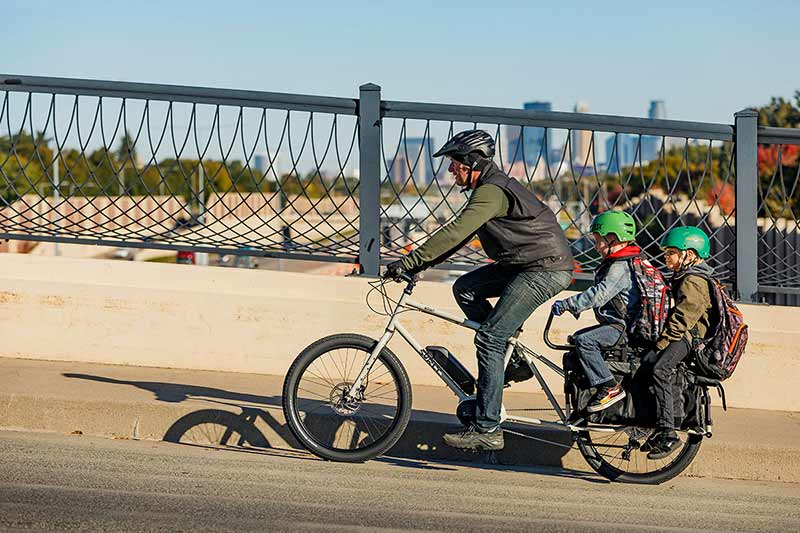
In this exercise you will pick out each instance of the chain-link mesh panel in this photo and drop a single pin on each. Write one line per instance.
(779, 217)
(158, 166)
(662, 180)
(180, 168)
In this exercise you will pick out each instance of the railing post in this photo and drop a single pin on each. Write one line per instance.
(747, 205)
(369, 188)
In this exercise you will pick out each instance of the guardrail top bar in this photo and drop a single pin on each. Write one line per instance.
(768, 135)
(553, 119)
(177, 93)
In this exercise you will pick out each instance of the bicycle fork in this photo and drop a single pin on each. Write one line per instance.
(356, 389)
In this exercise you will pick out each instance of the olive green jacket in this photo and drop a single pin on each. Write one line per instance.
(690, 315)
(485, 203)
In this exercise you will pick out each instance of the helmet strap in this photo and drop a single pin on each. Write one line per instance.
(468, 187)
(687, 262)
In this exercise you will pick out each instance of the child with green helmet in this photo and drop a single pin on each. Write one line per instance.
(685, 249)
(614, 297)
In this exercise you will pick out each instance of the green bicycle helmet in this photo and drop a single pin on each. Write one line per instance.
(687, 238)
(619, 223)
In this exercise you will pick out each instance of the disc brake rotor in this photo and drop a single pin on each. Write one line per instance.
(341, 404)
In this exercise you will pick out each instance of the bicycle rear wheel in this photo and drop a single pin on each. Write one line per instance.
(617, 457)
(320, 417)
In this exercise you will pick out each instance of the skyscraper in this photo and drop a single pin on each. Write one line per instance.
(657, 109)
(651, 145)
(536, 140)
(527, 143)
(621, 151)
(262, 167)
(399, 169)
(418, 153)
(582, 150)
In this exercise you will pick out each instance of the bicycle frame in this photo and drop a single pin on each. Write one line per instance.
(395, 326)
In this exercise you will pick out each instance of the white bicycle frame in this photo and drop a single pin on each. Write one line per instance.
(394, 325)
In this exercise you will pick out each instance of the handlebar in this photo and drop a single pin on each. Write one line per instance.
(409, 279)
(546, 336)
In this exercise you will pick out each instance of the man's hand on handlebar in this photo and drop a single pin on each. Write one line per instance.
(397, 272)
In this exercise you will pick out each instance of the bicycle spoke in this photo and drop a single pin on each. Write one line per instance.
(367, 429)
(313, 393)
(354, 426)
(387, 398)
(382, 389)
(315, 409)
(339, 369)
(610, 450)
(326, 386)
(376, 378)
(388, 383)
(326, 380)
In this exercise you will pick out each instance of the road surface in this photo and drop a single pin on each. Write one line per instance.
(73, 482)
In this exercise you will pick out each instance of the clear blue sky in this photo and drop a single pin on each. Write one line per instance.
(706, 59)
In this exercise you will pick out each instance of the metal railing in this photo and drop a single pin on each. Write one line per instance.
(354, 180)
(169, 167)
(778, 224)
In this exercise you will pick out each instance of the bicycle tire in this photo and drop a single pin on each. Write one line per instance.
(298, 420)
(677, 463)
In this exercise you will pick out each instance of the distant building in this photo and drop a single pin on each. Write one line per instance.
(657, 109)
(528, 143)
(418, 151)
(260, 163)
(621, 151)
(651, 145)
(399, 170)
(414, 160)
(582, 150)
(537, 140)
(261, 167)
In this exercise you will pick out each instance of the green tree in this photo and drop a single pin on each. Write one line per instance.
(687, 169)
(781, 113)
(778, 164)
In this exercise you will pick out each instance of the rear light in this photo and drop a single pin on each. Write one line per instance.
(185, 257)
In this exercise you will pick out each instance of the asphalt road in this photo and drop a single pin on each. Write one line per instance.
(64, 482)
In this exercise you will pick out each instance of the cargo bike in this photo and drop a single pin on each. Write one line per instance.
(347, 397)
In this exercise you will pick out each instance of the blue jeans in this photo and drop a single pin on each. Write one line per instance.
(588, 343)
(520, 293)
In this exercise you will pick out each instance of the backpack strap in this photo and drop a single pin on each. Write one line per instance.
(616, 301)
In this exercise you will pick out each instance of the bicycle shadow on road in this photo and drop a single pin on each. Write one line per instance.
(243, 419)
(255, 423)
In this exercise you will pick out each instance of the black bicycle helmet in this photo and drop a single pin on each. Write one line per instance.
(468, 147)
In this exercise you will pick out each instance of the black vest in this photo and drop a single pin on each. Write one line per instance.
(529, 236)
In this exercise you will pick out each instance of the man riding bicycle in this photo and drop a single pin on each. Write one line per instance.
(532, 263)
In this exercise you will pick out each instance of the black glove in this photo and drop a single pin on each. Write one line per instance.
(394, 269)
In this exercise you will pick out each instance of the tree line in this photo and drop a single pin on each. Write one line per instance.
(27, 166)
(695, 170)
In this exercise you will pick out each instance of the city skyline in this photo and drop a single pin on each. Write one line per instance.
(411, 160)
(620, 150)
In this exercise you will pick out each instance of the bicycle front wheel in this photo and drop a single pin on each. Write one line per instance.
(329, 424)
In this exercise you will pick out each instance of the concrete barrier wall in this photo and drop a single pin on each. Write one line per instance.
(180, 316)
